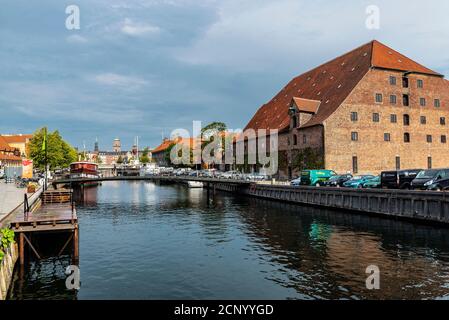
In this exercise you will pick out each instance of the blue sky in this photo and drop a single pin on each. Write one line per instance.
(146, 67)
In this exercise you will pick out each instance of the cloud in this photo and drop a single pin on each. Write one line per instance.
(117, 80)
(265, 34)
(133, 29)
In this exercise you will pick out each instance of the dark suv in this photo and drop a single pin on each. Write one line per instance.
(400, 179)
(426, 178)
(336, 181)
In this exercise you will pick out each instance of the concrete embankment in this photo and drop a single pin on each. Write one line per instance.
(420, 206)
(7, 269)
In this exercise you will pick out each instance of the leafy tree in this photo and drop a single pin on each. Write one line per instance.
(144, 158)
(59, 153)
(120, 160)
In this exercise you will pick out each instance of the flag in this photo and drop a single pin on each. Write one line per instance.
(44, 142)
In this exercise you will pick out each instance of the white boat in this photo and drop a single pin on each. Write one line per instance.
(194, 184)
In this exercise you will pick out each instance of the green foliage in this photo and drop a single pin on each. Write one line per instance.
(308, 159)
(2, 254)
(59, 153)
(214, 127)
(119, 160)
(144, 157)
(7, 237)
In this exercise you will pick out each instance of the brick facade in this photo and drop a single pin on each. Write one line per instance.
(373, 153)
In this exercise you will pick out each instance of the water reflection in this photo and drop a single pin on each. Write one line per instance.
(143, 241)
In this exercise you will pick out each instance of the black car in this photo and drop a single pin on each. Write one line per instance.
(336, 181)
(426, 178)
(399, 179)
(440, 185)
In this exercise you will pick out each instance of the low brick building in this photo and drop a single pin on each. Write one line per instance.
(369, 110)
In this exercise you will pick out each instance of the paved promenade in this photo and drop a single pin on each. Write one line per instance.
(10, 197)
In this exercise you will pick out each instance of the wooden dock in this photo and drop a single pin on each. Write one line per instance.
(57, 214)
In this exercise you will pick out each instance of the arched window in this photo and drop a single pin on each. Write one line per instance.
(407, 137)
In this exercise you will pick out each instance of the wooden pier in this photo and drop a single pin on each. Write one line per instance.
(57, 214)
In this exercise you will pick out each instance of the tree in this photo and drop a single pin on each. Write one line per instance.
(144, 158)
(59, 153)
(120, 160)
(308, 158)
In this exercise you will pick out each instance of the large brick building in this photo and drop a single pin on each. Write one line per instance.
(369, 110)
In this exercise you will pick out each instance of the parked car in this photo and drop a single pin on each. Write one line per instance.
(399, 179)
(231, 175)
(315, 177)
(440, 185)
(195, 173)
(336, 181)
(2, 173)
(373, 183)
(358, 181)
(296, 182)
(426, 178)
(256, 177)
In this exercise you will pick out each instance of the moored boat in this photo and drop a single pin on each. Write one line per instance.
(83, 169)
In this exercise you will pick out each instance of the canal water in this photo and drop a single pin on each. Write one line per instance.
(139, 240)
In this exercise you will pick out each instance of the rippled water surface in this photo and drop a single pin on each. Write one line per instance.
(143, 241)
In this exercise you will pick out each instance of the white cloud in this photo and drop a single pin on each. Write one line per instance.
(114, 79)
(134, 29)
(255, 35)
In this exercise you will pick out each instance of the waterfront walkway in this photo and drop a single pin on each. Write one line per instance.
(10, 198)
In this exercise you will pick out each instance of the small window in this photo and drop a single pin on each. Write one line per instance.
(304, 139)
(437, 103)
(393, 118)
(393, 99)
(443, 121)
(405, 100)
(354, 116)
(429, 162)
(405, 82)
(379, 98)
(429, 138)
(387, 137)
(406, 120)
(295, 140)
(393, 80)
(398, 163)
(354, 136)
(422, 102)
(420, 84)
(443, 139)
(376, 117)
(406, 137)
(355, 165)
(423, 119)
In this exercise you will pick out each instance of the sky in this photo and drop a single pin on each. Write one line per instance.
(146, 67)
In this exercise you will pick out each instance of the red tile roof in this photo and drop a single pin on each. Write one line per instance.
(4, 146)
(306, 105)
(163, 146)
(387, 58)
(20, 138)
(331, 83)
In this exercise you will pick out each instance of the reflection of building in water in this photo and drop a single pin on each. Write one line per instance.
(326, 253)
